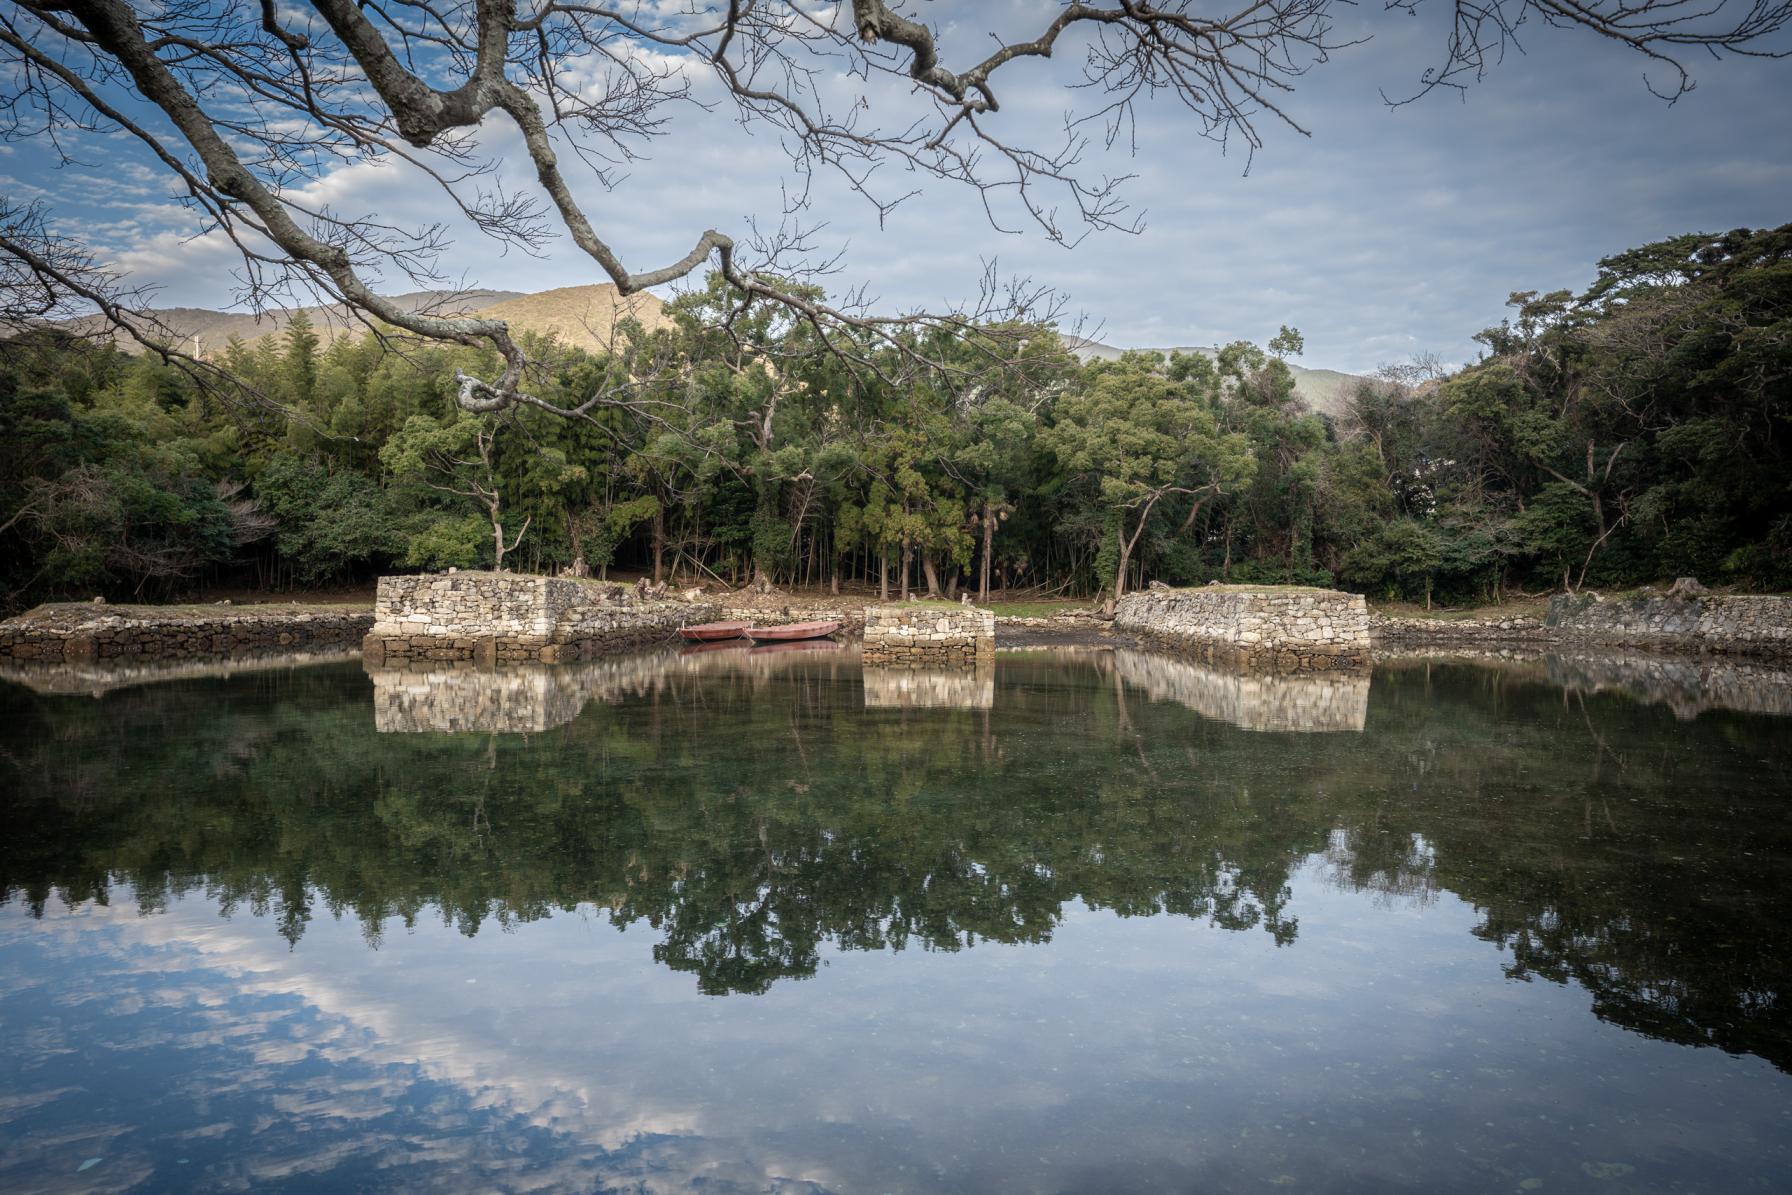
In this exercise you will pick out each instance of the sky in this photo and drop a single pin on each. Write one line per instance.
(1385, 233)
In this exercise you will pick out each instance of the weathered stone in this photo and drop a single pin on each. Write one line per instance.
(488, 617)
(1745, 625)
(1287, 627)
(927, 634)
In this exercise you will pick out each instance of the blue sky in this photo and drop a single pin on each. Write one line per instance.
(1387, 233)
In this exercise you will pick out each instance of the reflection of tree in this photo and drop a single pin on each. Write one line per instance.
(754, 821)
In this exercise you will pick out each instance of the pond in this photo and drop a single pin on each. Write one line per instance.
(1088, 920)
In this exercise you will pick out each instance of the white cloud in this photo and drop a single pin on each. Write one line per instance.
(1386, 232)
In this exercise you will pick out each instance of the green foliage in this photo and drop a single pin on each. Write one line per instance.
(1631, 433)
(331, 525)
(445, 541)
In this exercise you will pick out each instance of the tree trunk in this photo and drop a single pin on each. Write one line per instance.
(908, 558)
(931, 573)
(659, 542)
(883, 575)
(989, 538)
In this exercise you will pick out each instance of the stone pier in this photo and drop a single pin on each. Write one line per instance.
(1282, 626)
(929, 634)
(499, 616)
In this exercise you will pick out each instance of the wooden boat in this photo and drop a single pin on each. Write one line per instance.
(708, 632)
(820, 629)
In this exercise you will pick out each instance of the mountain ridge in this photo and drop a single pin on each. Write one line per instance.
(1324, 391)
(580, 316)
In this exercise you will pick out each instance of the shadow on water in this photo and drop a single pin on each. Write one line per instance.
(758, 809)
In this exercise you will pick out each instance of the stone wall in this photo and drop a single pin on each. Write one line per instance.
(1721, 623)
(929, 635)
(1284, 626)
(500, 616)
(1397, 633)
(72, 632)
(1303, 702)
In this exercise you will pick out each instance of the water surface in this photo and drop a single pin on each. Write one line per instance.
(761, 921)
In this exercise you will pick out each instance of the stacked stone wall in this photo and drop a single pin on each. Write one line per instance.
(1283, 626)
(1759, 625)
(1389, 632)
(498, 616)
(929, 636)
(86, 632)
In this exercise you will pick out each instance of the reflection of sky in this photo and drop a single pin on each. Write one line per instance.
(1384, 1048)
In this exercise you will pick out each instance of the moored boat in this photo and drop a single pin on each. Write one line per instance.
(708, 632)
(819, 629)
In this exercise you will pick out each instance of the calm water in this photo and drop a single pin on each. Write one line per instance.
(1091, 921)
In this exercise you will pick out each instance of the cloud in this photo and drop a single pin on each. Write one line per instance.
(1387, 231)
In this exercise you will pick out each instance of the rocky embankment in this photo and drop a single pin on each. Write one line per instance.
(1757, 625)
(71, 632)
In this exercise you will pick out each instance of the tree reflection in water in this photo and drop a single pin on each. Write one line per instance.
(755, 813)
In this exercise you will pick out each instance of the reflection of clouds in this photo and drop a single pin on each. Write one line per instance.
(279, 1014)
(1131, 1052)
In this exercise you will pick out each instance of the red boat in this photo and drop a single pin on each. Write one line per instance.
(794, 630)
(708, 632)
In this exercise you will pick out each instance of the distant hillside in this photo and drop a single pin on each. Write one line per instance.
(582, 316)
(215, 328)
(1323, 390)
(585, 316)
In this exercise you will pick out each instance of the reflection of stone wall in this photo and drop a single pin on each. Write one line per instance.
(459, 696)
(929, 634)
(903, 687)
(1687, 686)
(451, 698)
(498, 616)
(1288, 626)
(1327, 700)
(1744, 624)
(80, 632)
(102, 676)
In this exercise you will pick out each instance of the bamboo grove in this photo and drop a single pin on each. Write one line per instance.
(1629, 433)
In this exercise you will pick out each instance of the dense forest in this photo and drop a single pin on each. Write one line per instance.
(1628, 434)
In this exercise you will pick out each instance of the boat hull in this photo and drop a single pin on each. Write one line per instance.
(792, 632)
(710, 632)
